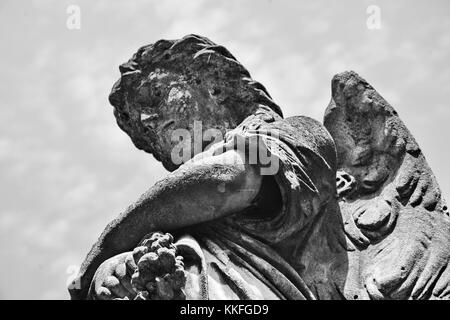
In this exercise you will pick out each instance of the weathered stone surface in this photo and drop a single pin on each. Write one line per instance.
(160, 272)
(172, 83)
(168, 86)
(394, 214)
(366, 223)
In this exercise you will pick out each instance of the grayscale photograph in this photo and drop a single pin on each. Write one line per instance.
(224, 150)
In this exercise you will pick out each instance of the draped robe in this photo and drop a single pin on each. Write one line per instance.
(235, 257)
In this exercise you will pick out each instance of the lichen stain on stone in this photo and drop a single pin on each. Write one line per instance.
(178, 94)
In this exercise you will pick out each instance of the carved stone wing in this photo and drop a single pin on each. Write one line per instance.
(396, 221)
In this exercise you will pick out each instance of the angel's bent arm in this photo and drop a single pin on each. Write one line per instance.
(198, 191)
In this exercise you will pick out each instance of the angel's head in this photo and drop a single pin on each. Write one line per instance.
(172, 83)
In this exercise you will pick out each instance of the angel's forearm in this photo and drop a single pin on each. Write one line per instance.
(188, 196)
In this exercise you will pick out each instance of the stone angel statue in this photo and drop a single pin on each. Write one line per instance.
(278, 208)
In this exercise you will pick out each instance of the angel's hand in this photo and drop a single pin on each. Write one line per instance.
(112, 279)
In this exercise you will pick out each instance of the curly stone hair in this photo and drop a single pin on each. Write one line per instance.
(195, 55)
(208, 71)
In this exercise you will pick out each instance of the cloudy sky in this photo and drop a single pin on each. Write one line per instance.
(66, 169)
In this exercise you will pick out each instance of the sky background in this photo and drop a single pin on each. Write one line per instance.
(66, 169)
